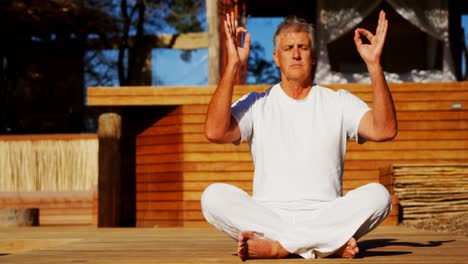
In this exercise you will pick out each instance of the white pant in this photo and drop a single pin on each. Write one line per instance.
(312, 230)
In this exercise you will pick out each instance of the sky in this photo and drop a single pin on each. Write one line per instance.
(170, 70)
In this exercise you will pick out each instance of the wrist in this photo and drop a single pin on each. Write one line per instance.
(233, 66)
(374, 67)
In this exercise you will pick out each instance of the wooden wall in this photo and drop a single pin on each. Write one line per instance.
(174, 161)
(77, 208)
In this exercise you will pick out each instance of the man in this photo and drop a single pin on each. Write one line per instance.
(297, 133)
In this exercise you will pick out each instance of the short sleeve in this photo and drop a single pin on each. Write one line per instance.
(353, 111)
(241, 110)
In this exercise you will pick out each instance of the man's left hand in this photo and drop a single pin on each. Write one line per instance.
(370, 53)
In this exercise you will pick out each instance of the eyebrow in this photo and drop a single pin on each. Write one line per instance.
(299, 45)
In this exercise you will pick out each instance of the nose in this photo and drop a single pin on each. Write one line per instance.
(296, 54)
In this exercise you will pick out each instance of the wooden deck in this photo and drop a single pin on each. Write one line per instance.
(205, 245)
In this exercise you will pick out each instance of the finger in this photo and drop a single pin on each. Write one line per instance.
(379, 23)
(233, 21)
(233, 24)
(357, 38)
(385, 29)
(226, 30)
(247, 38)
(382, 15)
(239, 30)
(383, 34)
(227, 22)
(366, 33)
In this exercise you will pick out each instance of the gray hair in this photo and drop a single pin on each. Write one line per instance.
(294, 24)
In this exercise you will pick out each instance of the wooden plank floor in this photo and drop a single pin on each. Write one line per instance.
(205, 245)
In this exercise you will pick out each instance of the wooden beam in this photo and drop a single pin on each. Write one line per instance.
(185, 41)
(36, 137)
(213, 42)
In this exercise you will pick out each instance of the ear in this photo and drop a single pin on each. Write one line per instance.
(313, 57)
(275, 58)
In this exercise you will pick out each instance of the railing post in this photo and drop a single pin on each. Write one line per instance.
(109, 132)
(213, 42)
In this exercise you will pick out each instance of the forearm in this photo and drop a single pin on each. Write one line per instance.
(384, 114)
(218, 117)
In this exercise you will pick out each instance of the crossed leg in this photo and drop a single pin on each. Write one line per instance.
(234, 212)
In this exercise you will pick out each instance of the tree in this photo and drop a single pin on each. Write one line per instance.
(138, 20)
(49, 46)
(41, 54)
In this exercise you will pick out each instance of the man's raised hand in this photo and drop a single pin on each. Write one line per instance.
(237, 54)
(371, 53)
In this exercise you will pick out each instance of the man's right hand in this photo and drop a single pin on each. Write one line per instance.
(237, 54)
(220, 126)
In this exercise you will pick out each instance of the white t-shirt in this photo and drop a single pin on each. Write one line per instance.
(298, 146)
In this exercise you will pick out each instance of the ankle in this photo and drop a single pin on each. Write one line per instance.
(278, 250)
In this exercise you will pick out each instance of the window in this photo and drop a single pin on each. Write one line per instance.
(406, 48)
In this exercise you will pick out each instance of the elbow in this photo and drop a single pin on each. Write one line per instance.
(392, 133)
(393, 130)
(389, 133)
(213, 136)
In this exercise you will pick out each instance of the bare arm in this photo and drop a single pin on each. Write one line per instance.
(220, 126)
(379, 124)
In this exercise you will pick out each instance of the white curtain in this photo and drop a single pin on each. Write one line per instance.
(337, 17)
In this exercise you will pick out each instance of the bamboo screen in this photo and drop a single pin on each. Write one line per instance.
(48, 163)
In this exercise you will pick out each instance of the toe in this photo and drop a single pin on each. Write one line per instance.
(356, 250)
(242, 250)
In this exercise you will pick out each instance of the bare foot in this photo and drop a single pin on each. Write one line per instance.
(348, 250)
(252, 246)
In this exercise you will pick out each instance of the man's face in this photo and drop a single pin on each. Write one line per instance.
(294, 56)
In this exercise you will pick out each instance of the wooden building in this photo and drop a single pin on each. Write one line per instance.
(173, 162)
(154, 160)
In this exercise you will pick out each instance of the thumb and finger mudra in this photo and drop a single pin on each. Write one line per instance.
(233, 38)
(375, 42)
(380, 31)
